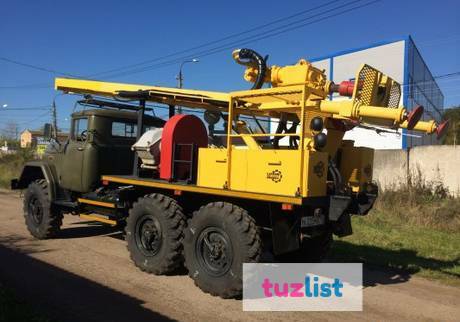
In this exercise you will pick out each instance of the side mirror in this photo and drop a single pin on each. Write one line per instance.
(47, 131)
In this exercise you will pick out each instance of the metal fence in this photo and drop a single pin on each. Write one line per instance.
(421, 89)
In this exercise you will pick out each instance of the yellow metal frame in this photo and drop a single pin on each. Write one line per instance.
(299, 93)
(264, 94)
(203, 190)
(183, 97)
(99, 219)
(96, 203)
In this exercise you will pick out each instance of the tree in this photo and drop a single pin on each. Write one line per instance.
(11, 130)
(453, 133)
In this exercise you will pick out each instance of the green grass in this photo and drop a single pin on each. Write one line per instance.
(386, 240)
(413, 228)
(13, 309)
(11, 165)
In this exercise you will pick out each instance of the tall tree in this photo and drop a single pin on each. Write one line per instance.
(11, 130)
(453, 133)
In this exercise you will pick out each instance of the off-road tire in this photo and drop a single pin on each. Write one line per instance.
(167, 214)
(244, 239)
(42, 220)
(312, 250)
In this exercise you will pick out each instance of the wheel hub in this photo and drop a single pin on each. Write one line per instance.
(35, 210)
(214, 251)
(149, 236)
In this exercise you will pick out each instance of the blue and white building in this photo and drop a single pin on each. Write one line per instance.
(401, 60)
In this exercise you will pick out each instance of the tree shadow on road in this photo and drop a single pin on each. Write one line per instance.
(22, 245)
(386, 266)
(64, 296)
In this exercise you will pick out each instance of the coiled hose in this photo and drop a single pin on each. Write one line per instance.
(253, 59)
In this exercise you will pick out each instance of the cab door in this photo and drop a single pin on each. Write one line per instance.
(74, 155)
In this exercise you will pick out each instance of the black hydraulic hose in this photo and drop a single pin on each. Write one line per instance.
(336, 176)
(255, 58)
(279, 129)
(293, 139)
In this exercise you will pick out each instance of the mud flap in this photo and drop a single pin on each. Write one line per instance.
(337, 206)
(342, 227)
(339, 216)
(285, 230)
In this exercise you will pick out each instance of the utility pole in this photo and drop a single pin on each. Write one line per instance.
(180, 78)
(55, 130)
(455, 134)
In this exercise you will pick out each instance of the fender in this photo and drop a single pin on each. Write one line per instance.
(35, 170)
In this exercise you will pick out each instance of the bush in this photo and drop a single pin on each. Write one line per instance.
(11, 165)
(420, 202)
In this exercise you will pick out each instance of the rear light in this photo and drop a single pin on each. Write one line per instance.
(287, 206)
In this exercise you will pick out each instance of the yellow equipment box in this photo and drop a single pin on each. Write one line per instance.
(264, 171)
(356, 166)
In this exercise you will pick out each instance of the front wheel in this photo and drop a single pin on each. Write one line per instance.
(41, 219)
(219, 239)
(154, 233)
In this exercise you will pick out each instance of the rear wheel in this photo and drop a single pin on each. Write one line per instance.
(219, 239)
(154, 233)
(41, 219)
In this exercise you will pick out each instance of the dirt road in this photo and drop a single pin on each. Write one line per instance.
(86, 275)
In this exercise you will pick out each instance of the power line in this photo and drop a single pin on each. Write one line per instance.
(206, 44)
(214, 50)
(40, 68)
(28, 121)
(211, 51)
(34, 120)
(7, 109)
(30, 86)
(447, 75)
(43, 69)
(439, 77)
(260, 36)
(263, 35)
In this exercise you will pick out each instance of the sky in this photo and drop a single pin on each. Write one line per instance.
(82, 38)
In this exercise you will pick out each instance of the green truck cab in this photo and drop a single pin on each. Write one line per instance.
(99, 143)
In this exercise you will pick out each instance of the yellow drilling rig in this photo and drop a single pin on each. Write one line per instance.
(207, 197)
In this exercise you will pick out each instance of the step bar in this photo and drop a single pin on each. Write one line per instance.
(98, 218)
(97, 203)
